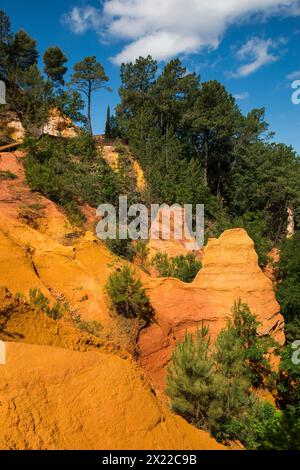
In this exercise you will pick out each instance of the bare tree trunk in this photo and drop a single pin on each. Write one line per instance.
(89, 111)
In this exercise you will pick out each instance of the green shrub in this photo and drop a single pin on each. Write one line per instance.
(128, 296)
(122, 248)
(82, 145)
(39, 302)
(7, 175)
(245, 325)
(91, 327)
(141, 253)
(182, 267)
(70, 173)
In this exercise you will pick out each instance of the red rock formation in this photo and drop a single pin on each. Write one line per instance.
(230, 271)
(171, 220)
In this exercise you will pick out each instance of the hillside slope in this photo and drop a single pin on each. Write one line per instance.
(61, 388)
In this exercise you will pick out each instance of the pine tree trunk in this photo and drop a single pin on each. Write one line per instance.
(89, 111)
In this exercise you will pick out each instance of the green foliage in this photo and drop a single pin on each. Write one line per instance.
(27, 93)
(286, 436)
(108, 129)
(214, 121)
(88, 77)
(211, 387)
(90, 327)
(141, 253)
(288, 277)
(128, 296)
(22, 51)
(122, 248)
(258, 429)
(54, 65)
(70, 173)
(190, 377)
(244, 326)
(211, 152)
(71, 104)
(182, 267)
(5, 38)
(7, 175)
(265, 182)
(231, 385)
(39, 302)
(30, 97)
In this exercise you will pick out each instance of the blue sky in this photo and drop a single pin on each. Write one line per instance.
(251, 46)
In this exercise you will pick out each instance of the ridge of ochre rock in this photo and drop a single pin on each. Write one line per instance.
(57, 125)
(230, 272)
(54, 398)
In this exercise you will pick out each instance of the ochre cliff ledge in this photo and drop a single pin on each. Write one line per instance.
(230, 272)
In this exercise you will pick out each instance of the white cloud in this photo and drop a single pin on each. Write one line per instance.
(257, 53)
(294, 75)
(165, 28)
(241, 96)
(82, 19)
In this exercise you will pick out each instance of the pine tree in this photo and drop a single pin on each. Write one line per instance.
(245, 325)
(33, 102)
(213, 120)
(230, 403)
(88, 77)
(190, 376)
(54, 65)
(22, 51)
(128, 295)
(5, 38)
(108, 132)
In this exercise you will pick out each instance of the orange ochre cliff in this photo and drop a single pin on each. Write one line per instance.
(62, 388)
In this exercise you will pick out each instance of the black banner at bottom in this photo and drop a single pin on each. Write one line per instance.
(135, 459)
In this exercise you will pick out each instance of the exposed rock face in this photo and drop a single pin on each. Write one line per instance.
(54, 398)
(45, 257)
(112, 157)
(15, 128)
(171, 220)
(230, 271)
(58, 125)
